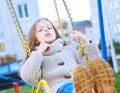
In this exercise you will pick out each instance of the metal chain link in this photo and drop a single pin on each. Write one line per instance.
(57, 12)
(18, 27)
(81, 45)
(19, 31)
(68, 13)
(59, 20)
(82, 48)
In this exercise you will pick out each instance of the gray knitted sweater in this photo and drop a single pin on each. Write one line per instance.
(58, 64)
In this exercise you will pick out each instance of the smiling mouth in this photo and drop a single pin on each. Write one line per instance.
(47, 34)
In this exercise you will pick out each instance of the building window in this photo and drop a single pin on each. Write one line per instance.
(113, 5)
(113, 17)
(118, 16)
(117, 28)
(20, 11)
(26, 10)
(23, 11)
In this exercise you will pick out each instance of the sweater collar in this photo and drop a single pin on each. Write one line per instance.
(55, 47)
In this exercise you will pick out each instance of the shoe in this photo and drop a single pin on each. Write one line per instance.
(103, 76)
(83, 80)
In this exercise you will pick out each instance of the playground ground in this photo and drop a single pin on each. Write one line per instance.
(25, 89)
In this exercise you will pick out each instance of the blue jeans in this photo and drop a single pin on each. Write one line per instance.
(66, 88)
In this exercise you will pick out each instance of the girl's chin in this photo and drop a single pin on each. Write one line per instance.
(50, 40)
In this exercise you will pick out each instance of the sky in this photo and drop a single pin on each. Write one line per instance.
(79, 9)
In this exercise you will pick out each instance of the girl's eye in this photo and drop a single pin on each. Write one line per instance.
(40, 30)
(49, 27)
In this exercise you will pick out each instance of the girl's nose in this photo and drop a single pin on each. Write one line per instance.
(46, 29)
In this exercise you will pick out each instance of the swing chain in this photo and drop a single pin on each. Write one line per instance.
(19, 31)
(58, 16)
(68, 13)
(18, 27)
(59, 20)
(82, 48)
(81, 45)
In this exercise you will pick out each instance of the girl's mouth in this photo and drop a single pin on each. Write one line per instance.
(47, 34)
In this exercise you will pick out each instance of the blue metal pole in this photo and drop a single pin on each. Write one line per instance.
(101, 25)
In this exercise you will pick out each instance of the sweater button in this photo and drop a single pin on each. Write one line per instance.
(67, 77)
(61, 63)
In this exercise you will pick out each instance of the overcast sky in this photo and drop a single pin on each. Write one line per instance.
(79, 9)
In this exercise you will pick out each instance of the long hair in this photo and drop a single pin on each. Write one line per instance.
(31, 37)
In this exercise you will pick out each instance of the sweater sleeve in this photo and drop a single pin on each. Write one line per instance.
(31, 67)
(91, 50)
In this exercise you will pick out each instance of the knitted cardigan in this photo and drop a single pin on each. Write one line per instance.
(58, 64)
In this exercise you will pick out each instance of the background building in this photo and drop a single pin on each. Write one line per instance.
(27, 13)
(86, 27)
(111, 17)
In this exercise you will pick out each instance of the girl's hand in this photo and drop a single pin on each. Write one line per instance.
(78, 35)
(43, 47)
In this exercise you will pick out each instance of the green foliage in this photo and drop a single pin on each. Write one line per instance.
(23, 89)
(117, 82)
(7, 91)
(118, 60)
(117, 47)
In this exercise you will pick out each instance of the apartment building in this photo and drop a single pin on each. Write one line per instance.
(27, 12)
(111, 17)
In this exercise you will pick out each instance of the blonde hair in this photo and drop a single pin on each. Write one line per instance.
(31, 38)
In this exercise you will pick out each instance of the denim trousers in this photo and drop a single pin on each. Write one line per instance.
(66, 88)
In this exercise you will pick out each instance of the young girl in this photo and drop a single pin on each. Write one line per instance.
(58, 60)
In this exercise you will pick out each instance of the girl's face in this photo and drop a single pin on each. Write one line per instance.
(45, 32)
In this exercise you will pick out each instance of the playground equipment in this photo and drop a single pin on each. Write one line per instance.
(42, 82)
(24, 41)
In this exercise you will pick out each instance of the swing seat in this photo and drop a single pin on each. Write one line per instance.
(43, 86)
